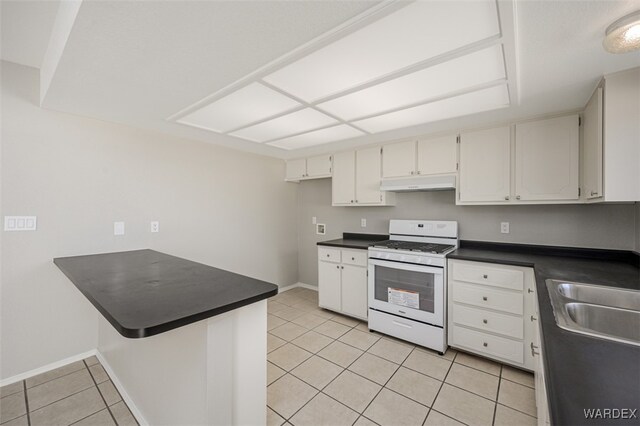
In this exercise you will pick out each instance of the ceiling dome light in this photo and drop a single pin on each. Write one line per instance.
(623, 35)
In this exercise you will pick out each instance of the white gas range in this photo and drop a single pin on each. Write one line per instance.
(407, 278)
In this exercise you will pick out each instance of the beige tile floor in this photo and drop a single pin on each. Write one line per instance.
(328, 369)
(80, 393)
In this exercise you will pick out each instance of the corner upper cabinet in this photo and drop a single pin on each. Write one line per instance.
(592, 147)
(485, 166)
(316, 167)
(356, 179)
(547, 157)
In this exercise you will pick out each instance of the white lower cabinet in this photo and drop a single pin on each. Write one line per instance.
(342, 281)
(491, 311)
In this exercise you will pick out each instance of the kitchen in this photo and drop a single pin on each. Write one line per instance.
(151, 205)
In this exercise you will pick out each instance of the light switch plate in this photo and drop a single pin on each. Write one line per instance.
(118, 228)
(20, 223)
(314, 220)
(504, 227)
(155, 226)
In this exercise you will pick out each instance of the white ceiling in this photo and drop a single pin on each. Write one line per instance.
(26, 27)
(138, 63)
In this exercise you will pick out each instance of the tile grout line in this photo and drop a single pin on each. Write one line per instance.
(441, 384)
(50, 380)
(100, 393)
(495, 408)
(26, 402)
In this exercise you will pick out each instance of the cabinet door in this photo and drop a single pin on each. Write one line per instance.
(547, 158)
(296, 169)
(592, 149)
(399, 159)
(344, 178)
(485, 165)
(438, 155)
(319, 166)
(368, 170)
(329, 285)
(354, 291)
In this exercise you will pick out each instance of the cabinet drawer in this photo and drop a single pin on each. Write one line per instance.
(355, 257)
(329, 254)
(487, 344)
(482, 319)
(488, 297)
(512, 279)
(405, 329)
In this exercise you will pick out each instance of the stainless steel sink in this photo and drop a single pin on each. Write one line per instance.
(588, 293)
(605, 312)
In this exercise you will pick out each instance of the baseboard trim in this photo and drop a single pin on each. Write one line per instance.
(48, 367)
(123, 393)
(296, 285)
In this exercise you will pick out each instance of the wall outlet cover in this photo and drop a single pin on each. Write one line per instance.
(118, 228)
(321, 229)
(363, 223)
(155, 226)
(504, 227)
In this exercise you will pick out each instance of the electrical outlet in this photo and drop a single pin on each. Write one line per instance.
(321, 229)
(314, 220)
(504, 227)
(155, 226)
(118, 228)
(363, 223)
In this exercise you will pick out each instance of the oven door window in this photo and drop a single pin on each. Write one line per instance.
(409, 289)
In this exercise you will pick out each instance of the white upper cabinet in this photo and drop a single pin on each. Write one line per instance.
(592, 147)
(344, 178)
(485, 164)
(356, 179)
(296, 169)
(547, 159)
(368, 172)
(622, 136)
(437, 155)
(399, 159)
(319, 166)
(309, 168)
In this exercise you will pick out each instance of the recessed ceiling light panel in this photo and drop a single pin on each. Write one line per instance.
(482, 100)
(480, 67)
(286, 125)
(415, 33)
(318, 137)
(250, 104)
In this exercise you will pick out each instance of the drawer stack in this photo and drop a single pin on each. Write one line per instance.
(487, 310)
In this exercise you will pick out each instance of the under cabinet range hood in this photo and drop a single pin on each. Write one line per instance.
(419, 183)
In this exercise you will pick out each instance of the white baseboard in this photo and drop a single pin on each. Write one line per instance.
(48, 367)
(123, 393)
(296, 285)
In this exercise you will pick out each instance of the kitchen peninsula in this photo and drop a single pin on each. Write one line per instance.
(159, 310)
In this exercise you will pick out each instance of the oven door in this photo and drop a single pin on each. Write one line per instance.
(408, 290)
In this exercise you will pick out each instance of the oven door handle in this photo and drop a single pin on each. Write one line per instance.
(407, 266)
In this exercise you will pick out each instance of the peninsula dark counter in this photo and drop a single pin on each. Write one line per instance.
(144, 292)
(581, 372)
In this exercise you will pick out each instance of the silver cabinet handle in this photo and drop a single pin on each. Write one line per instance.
(485, 344)
(533, 352)
(418, 172)
(485, 276)
(533, 318)
(352, 201)
(412, 172)
(593, 193)
(356, 201)
(507, 197)
(337, 266)
(529, 290)
(484, 321)
(517, 197)
(484, 298)
(328, 255)
(353, 258)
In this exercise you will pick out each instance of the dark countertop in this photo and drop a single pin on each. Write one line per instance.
(145, 292)
(355, 241)
(580, 371)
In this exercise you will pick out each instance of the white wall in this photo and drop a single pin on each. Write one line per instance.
(217, 206)
(593, 225)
